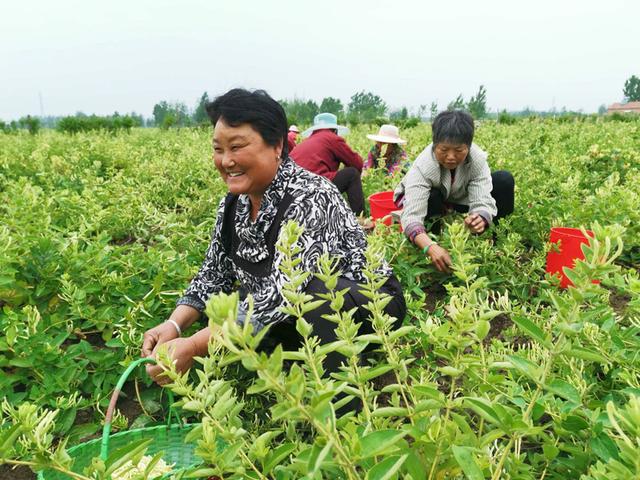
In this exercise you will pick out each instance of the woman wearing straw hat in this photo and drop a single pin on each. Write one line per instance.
(292, 136)
(266, 191)
(394, 156)
(324, 151)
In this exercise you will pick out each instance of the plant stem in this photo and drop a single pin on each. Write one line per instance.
(446, 419)
(75, 476)
(346, 461)
(503, 457)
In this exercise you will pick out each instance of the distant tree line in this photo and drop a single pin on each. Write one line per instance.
(29, 123)
(177, 114)
(363, 107)
(112, 123)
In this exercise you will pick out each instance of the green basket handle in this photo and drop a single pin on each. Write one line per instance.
(106, 431)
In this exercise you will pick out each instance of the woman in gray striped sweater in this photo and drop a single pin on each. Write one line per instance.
(452, 174)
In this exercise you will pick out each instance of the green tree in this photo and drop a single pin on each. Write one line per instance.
(200, 116)
(365, 107)
(160, 111)
(457, 104)
(181, 111)
(178, 111)
(602, 109)
(32, 124)
(632, 89)
(300, 111)
(401, 114)
(332, 105)
(477, 105)
(433, 110)
(168, 121)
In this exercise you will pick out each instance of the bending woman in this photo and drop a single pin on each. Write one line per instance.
(266, 190)
(452, 174)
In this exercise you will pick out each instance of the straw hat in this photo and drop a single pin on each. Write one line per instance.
(293, 128)
(325, 121)
(387, 134)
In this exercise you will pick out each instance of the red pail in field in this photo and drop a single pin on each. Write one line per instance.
(381, 205)
(569, 250)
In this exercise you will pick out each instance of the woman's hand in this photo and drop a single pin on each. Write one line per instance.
(440, 258)
(181, 351)
(156, 336)
(475, 223)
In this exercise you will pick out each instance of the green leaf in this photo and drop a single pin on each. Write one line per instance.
(387, 468)
(550, 451)
(390, 412)
(315, 464)
(200, 473)
(278, 455)
(376, 443)
(8, 439)
(483, 408)
(131, 452)
(450, 371)
(415, 468)
(401, 332)
(482, 329)
(574, 423)
(525, 366)
(467, 462)
(429, 392)
(531, 329)
(11, 335)
(80, 431)
(376, 372)
(604, 447)
(564, 390)
(586, 354)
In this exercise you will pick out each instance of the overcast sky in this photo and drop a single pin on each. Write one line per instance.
(99, 57)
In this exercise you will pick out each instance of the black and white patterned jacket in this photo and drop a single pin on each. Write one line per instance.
(329, 226)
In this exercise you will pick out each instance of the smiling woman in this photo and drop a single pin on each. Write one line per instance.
(245, 161)
(267, 190)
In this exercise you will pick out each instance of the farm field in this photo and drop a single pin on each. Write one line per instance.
(498, 373)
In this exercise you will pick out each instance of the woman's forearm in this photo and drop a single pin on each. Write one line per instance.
(201, 341)
(185, 316)
(422, 240)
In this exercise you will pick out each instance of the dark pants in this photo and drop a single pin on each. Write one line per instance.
(502, 193)
(285, 333)
(348, 180)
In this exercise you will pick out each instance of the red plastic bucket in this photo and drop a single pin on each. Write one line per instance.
(569, 249)
(381, 205)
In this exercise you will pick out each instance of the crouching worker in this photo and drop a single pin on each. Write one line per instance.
(266, 190)
(452, 174)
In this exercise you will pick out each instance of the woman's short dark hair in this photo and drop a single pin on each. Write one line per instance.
(256, 108)
(453, 127)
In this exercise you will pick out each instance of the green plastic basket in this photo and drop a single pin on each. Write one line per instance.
(166, 438)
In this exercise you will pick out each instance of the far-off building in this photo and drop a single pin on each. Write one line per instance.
(629, 107)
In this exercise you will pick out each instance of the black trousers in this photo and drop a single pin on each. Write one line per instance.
(285, 333)
(348, 180)
(503, 194)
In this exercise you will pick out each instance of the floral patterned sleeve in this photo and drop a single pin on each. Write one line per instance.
(216, 273)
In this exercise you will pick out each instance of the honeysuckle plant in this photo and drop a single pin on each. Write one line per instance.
(100, 233)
